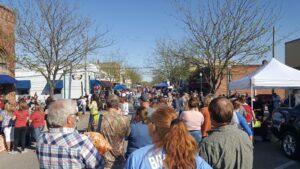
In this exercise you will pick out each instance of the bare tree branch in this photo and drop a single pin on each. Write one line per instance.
(52, 38)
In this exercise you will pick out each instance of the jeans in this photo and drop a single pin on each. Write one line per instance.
(197, 135)
(20, 135)
(37, 132)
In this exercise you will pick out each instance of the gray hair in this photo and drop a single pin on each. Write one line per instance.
(59, 111)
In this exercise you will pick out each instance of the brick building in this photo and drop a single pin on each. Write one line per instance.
(236, 72)
(7, 53)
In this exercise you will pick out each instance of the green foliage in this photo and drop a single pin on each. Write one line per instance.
(134, 76)
(110, 70)
(168, 66)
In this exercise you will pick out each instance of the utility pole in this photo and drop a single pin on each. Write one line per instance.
(64, 71)
(86, 80)
(85, 74)
(273, 44)
(273, 51)
(70, 82)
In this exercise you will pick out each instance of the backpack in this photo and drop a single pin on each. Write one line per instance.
(248, 116)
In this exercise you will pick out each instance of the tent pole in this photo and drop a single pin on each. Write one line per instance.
(290, 98)
(251, 88)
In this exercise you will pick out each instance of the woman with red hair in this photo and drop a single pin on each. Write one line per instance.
(173, 146)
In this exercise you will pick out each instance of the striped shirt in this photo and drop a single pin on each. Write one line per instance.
(66, 148)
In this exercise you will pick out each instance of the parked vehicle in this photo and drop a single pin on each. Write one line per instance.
(286, 126)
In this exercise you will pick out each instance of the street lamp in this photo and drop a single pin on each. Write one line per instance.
(229, 78)
(201, 82)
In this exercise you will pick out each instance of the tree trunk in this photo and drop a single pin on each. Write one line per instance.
(51, 91)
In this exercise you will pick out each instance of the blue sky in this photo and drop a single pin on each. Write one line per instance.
(135, 25)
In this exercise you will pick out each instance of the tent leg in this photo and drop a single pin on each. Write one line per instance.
(289, 98)
(251, 89)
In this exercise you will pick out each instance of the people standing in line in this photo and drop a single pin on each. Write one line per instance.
(238, 120)
(21, 118)
(173, 146)
(139, 136)
(250, 115)
(226, 146)
(63, 146)
(115, 128)
(37, 121)
(8, 126)
(193, 119)
(206, 126)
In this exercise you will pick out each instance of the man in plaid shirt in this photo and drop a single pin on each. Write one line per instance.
(63, 146)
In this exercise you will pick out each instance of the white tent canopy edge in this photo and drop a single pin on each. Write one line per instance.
(273, 75)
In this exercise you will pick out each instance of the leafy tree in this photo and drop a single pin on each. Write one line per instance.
(110, 70)
(134, 76)
(167, 65)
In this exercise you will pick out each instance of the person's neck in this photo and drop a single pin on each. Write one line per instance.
(194, 109)
(220, 125)
(112, 110)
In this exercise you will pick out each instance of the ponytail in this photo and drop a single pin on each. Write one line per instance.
(180, 147)
(174, 138)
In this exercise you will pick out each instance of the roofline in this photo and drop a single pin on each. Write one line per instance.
(295, 40)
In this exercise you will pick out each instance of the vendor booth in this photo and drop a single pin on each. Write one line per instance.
(273, 75)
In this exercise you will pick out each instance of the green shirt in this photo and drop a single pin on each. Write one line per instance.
(227, 147)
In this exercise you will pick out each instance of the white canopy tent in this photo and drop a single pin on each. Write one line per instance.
(273, 75)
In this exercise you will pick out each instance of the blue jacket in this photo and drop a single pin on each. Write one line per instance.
(243, 123)
(138, 137)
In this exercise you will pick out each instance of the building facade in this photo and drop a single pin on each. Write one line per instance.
(236, 72)
(292, 53)
(71, 86)
(7, 54)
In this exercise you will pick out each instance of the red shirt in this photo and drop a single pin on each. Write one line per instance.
(1, 104)
(21, 118)
(38, 119)
(248, 116)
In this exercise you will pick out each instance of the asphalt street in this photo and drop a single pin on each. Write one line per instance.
(267, 155)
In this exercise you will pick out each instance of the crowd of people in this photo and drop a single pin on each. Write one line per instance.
(163, 130)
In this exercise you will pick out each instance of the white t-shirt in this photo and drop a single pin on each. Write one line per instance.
(125, 108)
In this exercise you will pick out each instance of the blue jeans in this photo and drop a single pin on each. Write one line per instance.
(197, 135)
(37, 132)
